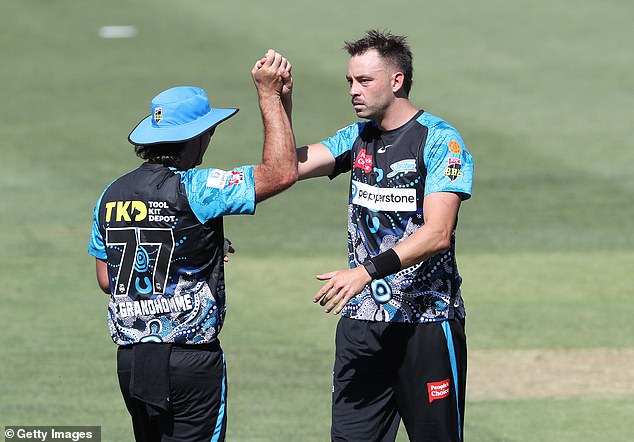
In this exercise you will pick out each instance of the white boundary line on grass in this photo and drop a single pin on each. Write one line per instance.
(117, 31)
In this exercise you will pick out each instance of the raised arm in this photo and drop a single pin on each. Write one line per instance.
(278, 170)
(313, 160)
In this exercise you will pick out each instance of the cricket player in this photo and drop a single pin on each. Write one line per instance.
(400, 343)
(159, 246)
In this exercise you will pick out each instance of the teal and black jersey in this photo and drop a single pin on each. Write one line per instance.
(160, 231)
(391, 172)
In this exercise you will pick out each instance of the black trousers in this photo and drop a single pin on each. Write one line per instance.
(385, 372)
(198, 394)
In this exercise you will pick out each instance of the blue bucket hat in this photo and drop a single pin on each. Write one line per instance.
(178, 114)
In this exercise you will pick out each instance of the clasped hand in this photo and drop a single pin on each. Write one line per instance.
(272, 73)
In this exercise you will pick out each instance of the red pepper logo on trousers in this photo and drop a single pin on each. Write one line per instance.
(437, 390)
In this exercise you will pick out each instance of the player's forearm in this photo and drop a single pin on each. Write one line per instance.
(434, 236)
(422, 245)
(287, 102)
(278, 169)
(279, 140)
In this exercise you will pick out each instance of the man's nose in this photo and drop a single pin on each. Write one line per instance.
(354, 89)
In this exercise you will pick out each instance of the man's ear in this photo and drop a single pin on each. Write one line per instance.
(398, 79)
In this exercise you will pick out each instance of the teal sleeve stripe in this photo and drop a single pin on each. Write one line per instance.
(213, 193)
(222, 413)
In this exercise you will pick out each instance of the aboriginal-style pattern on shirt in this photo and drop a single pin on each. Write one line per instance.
(161, 232)
(391, 172)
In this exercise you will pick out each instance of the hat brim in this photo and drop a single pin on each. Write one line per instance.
(145, 133)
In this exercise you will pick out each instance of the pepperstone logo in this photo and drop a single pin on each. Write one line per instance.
(383, 199)
(437, 390)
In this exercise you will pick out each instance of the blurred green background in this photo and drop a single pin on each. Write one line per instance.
(541, 92)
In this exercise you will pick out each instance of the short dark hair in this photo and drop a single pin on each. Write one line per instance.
(167, 154)
(392, 48)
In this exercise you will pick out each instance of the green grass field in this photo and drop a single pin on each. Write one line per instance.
(541, 92)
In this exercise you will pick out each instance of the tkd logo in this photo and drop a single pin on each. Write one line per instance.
(125, 210)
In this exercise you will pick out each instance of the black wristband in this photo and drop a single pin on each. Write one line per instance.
(383, 264)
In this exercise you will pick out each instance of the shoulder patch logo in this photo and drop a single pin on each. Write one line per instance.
(454, 147)
(453, 171)
(454, 160)
(235, 177)
(217, 179)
